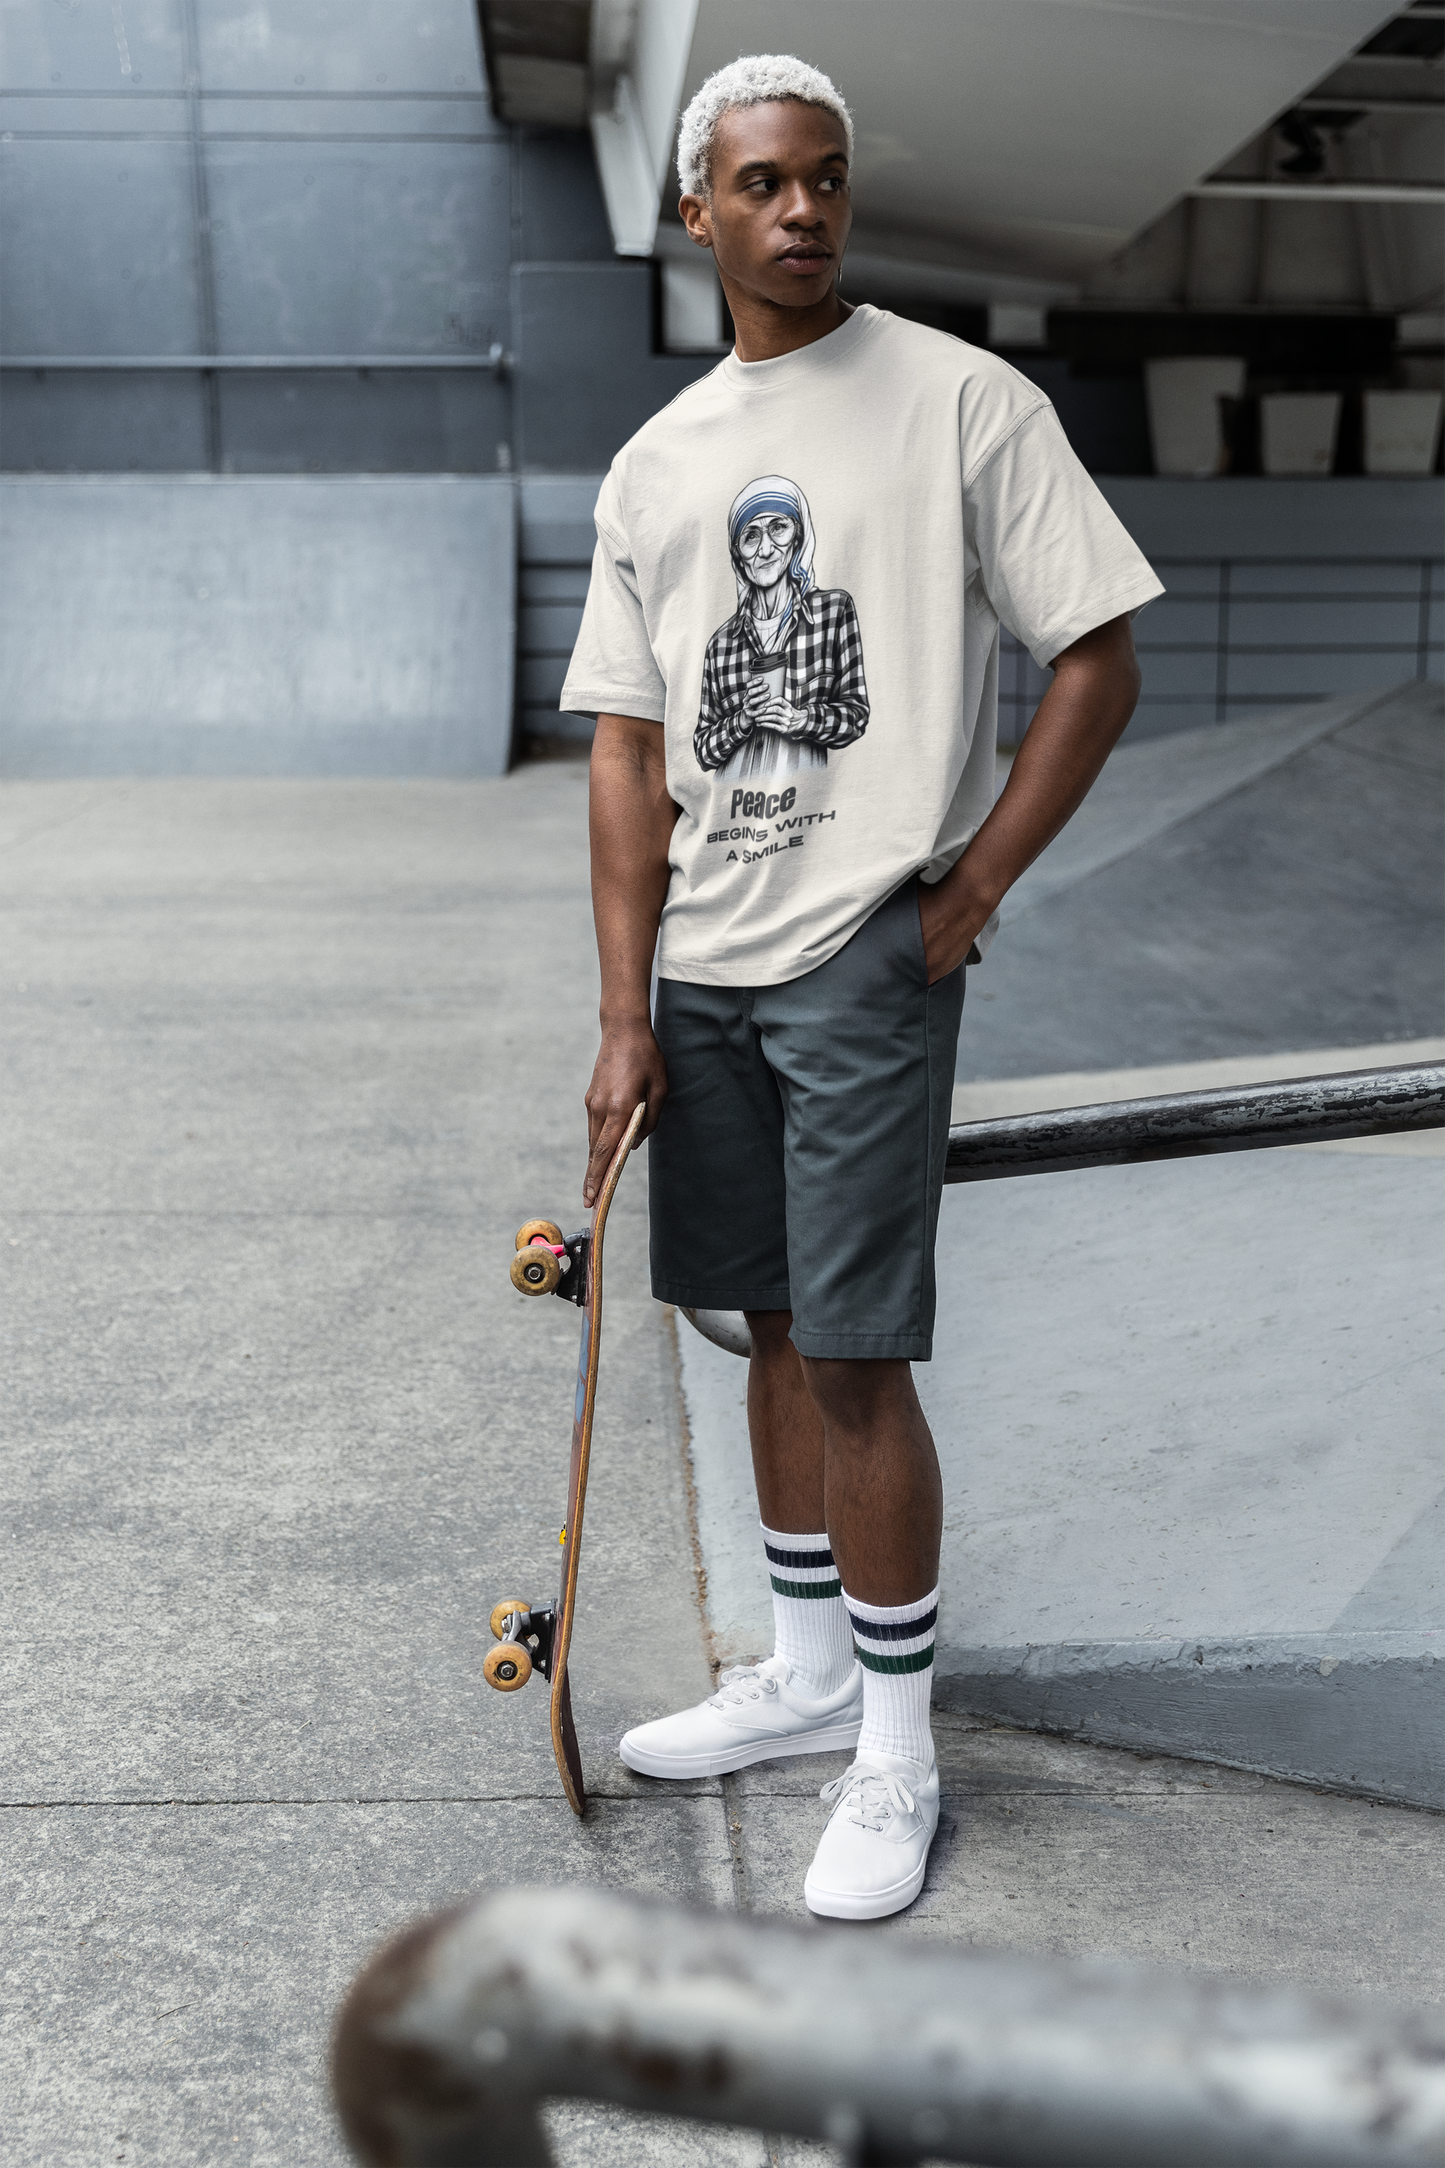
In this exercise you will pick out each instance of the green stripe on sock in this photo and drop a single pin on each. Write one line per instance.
(918, 1661)
(805, 1588)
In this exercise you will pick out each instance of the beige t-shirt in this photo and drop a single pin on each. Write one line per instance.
(801, 569)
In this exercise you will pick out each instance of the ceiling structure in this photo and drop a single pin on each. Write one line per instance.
(1014, 149)
(1336, 205)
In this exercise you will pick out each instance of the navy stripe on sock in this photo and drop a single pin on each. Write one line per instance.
(918, 1661)
(823, 1557)
(805, 1588)
(904, 1629)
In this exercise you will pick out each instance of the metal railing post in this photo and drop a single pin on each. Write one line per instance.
(895, 2052)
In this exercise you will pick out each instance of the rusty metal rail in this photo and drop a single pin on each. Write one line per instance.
(893, 2052)
(1188, 1125)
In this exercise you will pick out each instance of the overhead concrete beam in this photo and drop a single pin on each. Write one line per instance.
(1030, 139)
(639, 55)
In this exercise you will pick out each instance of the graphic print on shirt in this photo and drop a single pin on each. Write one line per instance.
(782, 683)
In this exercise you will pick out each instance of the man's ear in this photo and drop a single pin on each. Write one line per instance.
(697, 219)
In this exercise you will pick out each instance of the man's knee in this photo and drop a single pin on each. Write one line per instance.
(769, 1330)
(857, 1395)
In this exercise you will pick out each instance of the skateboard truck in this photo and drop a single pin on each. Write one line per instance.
(551, 1263)
(524, 1645)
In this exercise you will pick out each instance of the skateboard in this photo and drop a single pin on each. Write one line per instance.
(538, 1637)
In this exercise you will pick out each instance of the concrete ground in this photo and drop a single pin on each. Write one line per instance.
(286, 1063)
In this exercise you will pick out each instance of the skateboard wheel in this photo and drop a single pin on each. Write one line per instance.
(507, 1667)
(501, 1612)
(535, 1271)
(547, 1229)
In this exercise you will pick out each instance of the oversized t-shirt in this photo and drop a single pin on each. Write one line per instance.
(801, 569)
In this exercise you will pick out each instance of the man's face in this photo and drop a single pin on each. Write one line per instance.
(780, 211)
(766, 547)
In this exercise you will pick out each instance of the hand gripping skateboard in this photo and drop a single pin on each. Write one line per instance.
(534, 1637)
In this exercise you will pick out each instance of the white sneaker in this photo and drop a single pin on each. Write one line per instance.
(755, 1715)
(872, 1855)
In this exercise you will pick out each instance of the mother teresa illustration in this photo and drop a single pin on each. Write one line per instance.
(782, 683)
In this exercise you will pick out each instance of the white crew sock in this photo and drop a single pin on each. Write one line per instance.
(810, 1624)
(895, 1648)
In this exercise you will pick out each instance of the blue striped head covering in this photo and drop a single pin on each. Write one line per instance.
(773, 493)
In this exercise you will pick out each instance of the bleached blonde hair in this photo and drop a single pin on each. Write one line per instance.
(757, 79)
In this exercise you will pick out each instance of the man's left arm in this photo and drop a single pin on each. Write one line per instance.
(1075, 728)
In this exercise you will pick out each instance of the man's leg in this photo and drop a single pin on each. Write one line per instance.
(863, 1049)
(719, 1243)
(810, 1622)
(844, 1446)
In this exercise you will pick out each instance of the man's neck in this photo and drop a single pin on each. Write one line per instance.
(764, 329)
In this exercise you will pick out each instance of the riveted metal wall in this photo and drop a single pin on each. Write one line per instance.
(189, 177)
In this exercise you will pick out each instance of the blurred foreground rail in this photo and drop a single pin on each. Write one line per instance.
(893, 2053)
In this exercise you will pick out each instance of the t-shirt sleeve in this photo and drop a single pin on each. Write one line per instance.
(1055, 561)
(613, 670)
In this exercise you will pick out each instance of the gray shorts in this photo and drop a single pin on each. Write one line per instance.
(798, 1162)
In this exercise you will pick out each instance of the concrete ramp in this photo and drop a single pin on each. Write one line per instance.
(239, 625)
(1188, 1414)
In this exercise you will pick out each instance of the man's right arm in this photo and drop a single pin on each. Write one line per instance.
(631, 820)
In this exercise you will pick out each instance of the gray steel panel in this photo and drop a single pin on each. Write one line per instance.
(1323, 624)
(556, 518)
(379, 115)
(1187, 578)
(1172, 618)
(26, 113)
(339, 45)
(554, 583)
(550, 628)
(577, 418)
(80, 424)
(1161, 719)
(541, 679)
(394, 423)
(1175, 674)
(1401, 577)
(376, 248)
(256, 627)
(93, 47)
(550, 722)
(563, 215)
(1282, 679)
(1368, 516)
(97, 249)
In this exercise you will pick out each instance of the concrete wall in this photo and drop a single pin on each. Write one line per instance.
(197, 625)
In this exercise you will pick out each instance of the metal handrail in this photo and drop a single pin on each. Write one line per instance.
(1188, 1125)
(893, 2052)
(1180, 1125)
(495, 359)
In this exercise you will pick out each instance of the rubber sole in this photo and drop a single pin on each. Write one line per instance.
(878, 1904)
(840, 1738)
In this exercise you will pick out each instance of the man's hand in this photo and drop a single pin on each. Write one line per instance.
(1076, 726)
(629, 1069)
(632, 819)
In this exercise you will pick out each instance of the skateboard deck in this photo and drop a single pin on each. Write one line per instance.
(538, 1637)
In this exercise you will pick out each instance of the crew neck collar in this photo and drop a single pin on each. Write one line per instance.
(825, 353)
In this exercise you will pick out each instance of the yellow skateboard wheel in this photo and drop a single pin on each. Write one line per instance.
(547, 1229)
(535, 1271)
(501, 1612)
(507, 1667)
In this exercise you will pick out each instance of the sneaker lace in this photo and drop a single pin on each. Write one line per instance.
(743, 1682)
(869, 1795)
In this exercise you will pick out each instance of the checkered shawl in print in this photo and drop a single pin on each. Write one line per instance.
(822, 654)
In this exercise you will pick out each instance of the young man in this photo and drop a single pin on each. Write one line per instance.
(791, 648)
